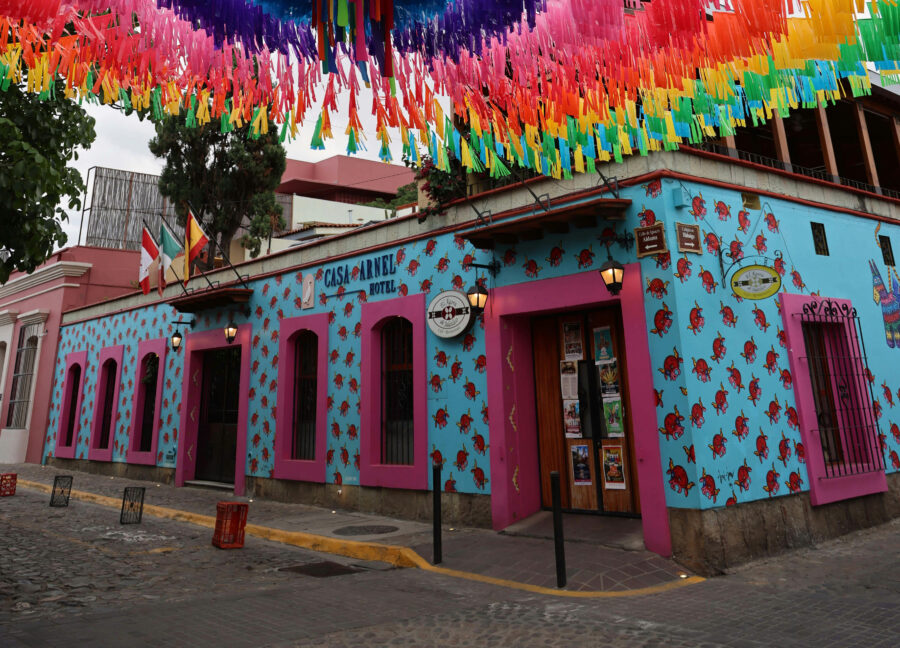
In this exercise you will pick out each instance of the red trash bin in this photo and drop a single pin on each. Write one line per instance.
(8, 484)
(231, 518)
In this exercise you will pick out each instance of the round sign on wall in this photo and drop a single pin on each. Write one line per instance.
(449, 314)
(756, 282)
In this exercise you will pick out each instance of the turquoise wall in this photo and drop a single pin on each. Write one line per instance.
(685, 316)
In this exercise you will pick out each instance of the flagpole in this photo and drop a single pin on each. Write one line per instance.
(172, 266)
(224, 256)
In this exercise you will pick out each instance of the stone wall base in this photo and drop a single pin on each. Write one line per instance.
(116, 469)
(457, 508)
(710, 541)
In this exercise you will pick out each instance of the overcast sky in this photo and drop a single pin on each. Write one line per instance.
(122, 144)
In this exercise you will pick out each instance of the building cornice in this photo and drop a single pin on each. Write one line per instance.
(8, 317)
(43, 275)
(36, 316)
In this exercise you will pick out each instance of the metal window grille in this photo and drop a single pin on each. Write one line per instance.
(74, 386)
(23, 373)
(149, 372)
(842, 393)
(887, 252)
(397, 392)
(306, 351)
(820, 241)
(110, 369)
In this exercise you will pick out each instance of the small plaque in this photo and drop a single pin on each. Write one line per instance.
(308, 299)
(688, 236)
(650, 240)
(62, 488)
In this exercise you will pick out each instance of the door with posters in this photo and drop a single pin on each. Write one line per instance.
(584, 430)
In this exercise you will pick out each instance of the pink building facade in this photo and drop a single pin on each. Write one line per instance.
(31, 307)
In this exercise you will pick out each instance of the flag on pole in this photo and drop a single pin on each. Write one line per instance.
(169, 248)
(149, 254)
(194, 240)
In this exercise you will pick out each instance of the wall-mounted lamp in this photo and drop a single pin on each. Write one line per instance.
(478, 296)
(177, 337)
(230, 332)
(612, 272)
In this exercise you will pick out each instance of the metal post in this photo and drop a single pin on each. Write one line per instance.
(436, 510)
(558, 531)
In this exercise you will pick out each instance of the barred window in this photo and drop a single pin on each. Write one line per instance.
(73, 390)
(108, 375)
(148, 377)
(306, 352)
(23, 374)
(397, 392)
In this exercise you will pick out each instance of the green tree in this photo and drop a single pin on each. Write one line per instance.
(229, 179)
(406, 194)
(39, 135)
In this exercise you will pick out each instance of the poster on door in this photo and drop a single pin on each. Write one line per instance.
(572, 343)
(568, 379)
(612, 413)
(603, 348)
(581, 466)
(572, 419)
(609, 379)
(613, 468)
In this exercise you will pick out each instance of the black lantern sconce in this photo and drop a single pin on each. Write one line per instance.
(478, 294)
(230, 331)
(177, 337)
(612, 272)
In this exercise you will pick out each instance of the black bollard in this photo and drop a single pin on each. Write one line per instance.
(436, 510)
(558, 531)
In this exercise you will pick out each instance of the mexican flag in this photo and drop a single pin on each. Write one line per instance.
(194, 241)
(169, 248)
(149, 254)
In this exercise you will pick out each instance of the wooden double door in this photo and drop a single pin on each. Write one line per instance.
(584, 427)
(217, 429)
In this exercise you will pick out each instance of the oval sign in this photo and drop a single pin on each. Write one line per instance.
(449, 314)
(756, 282)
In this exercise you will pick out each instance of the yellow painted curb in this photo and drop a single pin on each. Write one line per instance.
(373, 551)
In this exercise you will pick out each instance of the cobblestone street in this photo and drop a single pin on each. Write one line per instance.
(75, 577)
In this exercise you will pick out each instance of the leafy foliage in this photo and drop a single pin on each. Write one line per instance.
(39, 135)
(408, 193)
(229, 179)
(442, 187)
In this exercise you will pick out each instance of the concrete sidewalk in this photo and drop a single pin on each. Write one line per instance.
(523, 562)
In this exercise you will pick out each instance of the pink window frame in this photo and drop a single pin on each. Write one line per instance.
(371, 471)
(68, 451)
(115, 353)
(313, 470)
(195, 345)
(132, 455)
(822, 488)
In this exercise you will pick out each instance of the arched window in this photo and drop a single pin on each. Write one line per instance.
(397, 392)
(305, 393)
(108, 378)
(23, 373)
(71, 404)
(147, 400)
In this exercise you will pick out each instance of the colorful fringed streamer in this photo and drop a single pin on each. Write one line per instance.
(551, 85)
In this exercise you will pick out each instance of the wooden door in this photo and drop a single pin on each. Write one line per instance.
(217, 430)
(587, 483)
(615, 498)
